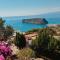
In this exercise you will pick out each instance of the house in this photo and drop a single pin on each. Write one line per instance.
(30, 37)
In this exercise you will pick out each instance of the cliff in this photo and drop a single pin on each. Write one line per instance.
(35, 21)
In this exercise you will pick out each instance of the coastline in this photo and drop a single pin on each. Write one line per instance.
(48, 25)
(52, 25)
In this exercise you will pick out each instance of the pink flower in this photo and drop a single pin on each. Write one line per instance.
(5, 49)
(2, 57)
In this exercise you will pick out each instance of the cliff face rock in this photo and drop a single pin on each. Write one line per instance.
(35, 21)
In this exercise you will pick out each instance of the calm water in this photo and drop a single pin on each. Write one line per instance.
(17, 24)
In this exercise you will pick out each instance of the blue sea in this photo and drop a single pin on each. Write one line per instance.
(16, 23)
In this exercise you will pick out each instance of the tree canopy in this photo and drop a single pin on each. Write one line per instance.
(45, 42)
(20, 40)
(2, 22)
(5, 31)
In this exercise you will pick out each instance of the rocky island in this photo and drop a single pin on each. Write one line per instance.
(35, 21)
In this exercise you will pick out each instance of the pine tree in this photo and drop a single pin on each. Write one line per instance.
(20, 40)
(45, 42)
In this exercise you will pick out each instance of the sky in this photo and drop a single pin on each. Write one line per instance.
(28, 7)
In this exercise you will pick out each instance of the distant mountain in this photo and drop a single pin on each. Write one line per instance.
(51, 15)
(47, 15)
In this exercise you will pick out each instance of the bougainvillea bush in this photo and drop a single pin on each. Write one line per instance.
(5, 50)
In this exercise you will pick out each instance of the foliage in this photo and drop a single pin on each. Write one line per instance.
(5, 31)
(58, 46)
(45, 42)
(1, 22)
(9, 31)
(26, 52)
(33, 30)
(20, 40)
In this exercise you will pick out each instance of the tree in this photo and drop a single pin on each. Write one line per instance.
(5, 31)
(45, 42)
(2, 22)
(20, 40)
(2, 28)
(58, 45)
(8, 31)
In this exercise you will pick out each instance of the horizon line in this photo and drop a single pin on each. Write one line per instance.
(31, 14)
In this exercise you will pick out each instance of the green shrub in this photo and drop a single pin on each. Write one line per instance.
(20, 40)
(45, 42)
(26, 52)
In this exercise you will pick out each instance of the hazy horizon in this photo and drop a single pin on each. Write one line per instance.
(28, 7)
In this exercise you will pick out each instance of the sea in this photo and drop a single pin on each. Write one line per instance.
(16, 23)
